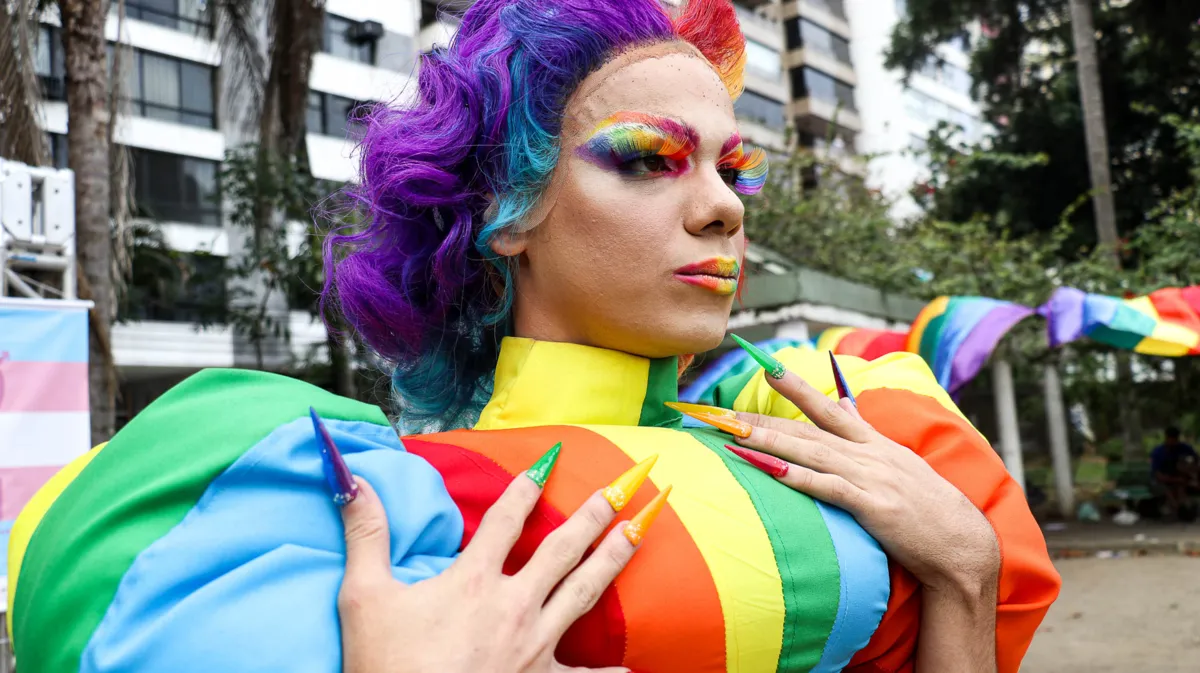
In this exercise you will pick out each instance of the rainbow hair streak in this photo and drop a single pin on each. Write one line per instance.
(466, 161)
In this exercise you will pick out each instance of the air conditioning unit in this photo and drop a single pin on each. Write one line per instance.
(365, 31)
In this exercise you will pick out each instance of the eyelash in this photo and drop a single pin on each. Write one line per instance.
(746, 173)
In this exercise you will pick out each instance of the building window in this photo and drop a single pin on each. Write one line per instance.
(332, 115)
(175, 188)
(930, 111)
(834, 7)
(948, 75)
(49, 63)
(58, 149)
(191, 16)
(807, 82)
(170, 89)
(339, 41)
(181, 287)
(763, 60)
(804, 34)
(760, 109)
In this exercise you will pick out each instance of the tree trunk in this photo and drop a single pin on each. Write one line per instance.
(88, 156)
(1096, 134)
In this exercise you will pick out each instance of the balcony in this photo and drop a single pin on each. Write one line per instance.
(813, 112)
(829, 14)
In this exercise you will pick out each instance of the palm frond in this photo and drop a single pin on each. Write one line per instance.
(243, 55)
(21, 136)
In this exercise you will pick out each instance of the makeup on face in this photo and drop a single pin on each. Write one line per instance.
(718, 275)
(636, 143)
(746, 173)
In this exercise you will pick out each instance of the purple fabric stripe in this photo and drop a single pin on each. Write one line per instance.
(979, 344)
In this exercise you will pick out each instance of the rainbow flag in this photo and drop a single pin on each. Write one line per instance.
(733, 363)
(44, 421)
(867, 344)
(1165, 322)
(956, 335)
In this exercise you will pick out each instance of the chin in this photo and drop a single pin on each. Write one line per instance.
(683, 335)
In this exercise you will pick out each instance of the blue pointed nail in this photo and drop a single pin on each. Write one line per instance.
(337, 475)
(843, 388)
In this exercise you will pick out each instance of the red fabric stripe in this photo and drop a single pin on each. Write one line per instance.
(1173, 307)
(1028, 581)
(662, 613)
(885, 343)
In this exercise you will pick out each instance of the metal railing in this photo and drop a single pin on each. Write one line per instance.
(7, 665)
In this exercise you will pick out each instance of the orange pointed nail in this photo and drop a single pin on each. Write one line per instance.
(733, 426)
(689, 408)
(621, 491)
(636, 529)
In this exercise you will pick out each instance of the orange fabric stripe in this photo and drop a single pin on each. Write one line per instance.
(1028, 581)
(672, 613)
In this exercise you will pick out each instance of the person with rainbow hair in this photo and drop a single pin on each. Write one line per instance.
(554, 226)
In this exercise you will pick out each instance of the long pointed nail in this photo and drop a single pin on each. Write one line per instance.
(341, 482)
(635, 530)
(621, 491)
(843, 388)
(763, 461)
(735, 427)
(541, 470)
(688, 408)
(773, 367)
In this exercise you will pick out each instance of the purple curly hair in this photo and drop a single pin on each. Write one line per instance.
(468, 160)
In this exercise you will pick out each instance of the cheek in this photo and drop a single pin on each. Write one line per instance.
(632, 219)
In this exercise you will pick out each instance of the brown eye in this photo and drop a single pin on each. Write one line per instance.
(729, 175)
(647, 165)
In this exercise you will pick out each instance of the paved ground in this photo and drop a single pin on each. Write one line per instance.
(1075, 538)
(1122, 615)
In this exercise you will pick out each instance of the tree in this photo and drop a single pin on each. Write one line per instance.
(1023, 64)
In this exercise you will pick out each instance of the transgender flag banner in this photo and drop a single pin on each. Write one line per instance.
(44, 422)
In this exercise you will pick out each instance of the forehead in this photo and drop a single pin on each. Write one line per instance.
(672, 82)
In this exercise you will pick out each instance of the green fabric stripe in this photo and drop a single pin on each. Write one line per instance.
(136, 490)
(804, 553)
(662, 385)
(933, 333)
(729, 388)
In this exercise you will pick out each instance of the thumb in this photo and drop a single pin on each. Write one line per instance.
(368, 539)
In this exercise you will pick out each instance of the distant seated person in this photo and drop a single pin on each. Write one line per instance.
(1176, 467)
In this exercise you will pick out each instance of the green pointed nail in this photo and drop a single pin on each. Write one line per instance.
(541, 470)
(774, 368)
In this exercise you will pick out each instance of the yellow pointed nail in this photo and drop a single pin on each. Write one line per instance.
(636, 529)
(621, 491)
(733, 426)
(689, 408)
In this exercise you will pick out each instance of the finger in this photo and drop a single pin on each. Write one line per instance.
(502, 524)
(581, 589)
(562, 549)
(368, 539)
(797, 429)
(822, 411)
(816, 455)
(852, 409)
(828, 488)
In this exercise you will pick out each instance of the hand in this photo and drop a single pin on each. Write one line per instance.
(920, 519)
(472, 617)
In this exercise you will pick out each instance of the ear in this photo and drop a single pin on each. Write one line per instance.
(509, 243)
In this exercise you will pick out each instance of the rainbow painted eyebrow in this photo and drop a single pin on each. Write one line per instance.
(626, 136)
(751, 169)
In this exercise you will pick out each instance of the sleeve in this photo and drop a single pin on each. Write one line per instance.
(1156, 460)
(899, 396)
(203, 536)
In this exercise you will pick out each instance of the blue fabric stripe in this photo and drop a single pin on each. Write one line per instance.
(5, 531)
(43, 335)
(866, 586)
(249, 579)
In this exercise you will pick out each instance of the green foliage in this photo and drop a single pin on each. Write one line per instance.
(1025, 75)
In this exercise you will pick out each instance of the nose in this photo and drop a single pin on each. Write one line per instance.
(716, 208)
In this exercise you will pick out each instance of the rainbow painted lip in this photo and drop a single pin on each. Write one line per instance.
(718, 275)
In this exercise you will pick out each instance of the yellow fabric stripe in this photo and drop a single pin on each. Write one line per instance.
(902, 371)
(1168, 339)
(541, 391)
(722, 520)
(831, 337)
(31, 515)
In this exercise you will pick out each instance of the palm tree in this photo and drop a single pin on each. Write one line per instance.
(1096, 135)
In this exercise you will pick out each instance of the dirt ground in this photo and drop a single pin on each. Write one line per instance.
(1122, 615)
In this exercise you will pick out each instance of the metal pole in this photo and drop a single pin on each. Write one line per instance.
(1006, 416)
(1060, 452)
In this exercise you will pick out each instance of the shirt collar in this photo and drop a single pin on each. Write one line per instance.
(550, 383)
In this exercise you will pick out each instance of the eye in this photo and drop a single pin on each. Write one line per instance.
(648, 165)
(729, 175)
